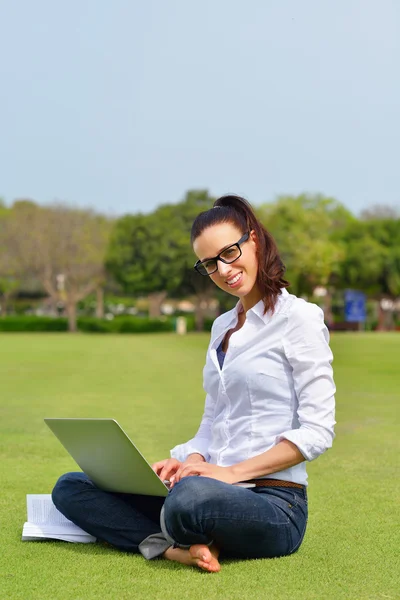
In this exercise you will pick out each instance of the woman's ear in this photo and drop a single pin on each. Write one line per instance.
(253, 237)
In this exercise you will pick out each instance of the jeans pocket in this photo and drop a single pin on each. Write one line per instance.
(301, 498)
(285, 506)
(298, 523)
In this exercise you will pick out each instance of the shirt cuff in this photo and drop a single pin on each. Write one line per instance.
(310, 445)
(194, 446)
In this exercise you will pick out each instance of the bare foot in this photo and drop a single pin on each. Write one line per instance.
(199, 555)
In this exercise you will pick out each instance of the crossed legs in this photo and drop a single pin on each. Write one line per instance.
(199, 517)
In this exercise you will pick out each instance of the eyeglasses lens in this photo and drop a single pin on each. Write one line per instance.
(229, 255)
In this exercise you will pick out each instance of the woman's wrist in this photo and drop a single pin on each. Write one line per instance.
(239, 472)
(195, 457)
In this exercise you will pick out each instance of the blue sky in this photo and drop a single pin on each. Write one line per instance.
(124, 105)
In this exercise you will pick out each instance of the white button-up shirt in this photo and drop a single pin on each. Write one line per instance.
(276, 383)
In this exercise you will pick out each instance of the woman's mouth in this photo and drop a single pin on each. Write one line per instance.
(235, 281)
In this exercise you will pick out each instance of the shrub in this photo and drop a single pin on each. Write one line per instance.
(142, 324)
(94, 325)
(208, 324)
(120, 324)
(125, 324)
(31, 323)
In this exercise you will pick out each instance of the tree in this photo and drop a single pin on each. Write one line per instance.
(372, 259)
(304, 227)
(135, 245)
(64, 248)
(363, 259)
(190, 282)
(10, 267)
(151, 254)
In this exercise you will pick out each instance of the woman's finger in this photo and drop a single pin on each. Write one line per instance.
(159, 465)
(156, 467)
(169, 469)
(187, 470)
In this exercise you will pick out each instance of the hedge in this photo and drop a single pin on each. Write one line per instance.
(120, 324)
(125, 325)
(28, 323)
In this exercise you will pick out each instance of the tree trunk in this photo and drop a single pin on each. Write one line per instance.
(100, 302)
(155, 302)
(71, 313)
(201, 306)
(381, 318)
(4, 304)
(327, 308)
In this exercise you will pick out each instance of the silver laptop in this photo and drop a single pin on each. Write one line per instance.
(106, 454)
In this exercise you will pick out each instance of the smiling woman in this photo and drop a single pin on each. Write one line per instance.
(238, 488)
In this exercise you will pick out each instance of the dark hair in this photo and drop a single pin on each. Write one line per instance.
(236, 210)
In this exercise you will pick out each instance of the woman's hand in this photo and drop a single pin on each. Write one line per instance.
(165, 469)
(203, 469)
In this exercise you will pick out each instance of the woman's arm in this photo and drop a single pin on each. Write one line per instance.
(306, 345)
(280, 457)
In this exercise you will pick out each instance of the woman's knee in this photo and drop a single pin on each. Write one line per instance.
(189, 497)
(68, 485)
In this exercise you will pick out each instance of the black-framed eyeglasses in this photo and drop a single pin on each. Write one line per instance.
(227, 256)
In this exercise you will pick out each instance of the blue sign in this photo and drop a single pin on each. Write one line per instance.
(355, 309)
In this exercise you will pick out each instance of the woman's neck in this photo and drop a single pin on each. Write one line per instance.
(251, 299)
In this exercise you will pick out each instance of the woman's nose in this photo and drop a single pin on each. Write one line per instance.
(223, 269)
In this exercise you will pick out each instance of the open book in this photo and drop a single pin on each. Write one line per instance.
(46, 522)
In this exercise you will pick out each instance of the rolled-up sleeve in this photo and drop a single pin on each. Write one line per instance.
(201, 441)
(306, 345)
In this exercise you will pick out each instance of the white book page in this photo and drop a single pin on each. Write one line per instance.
(44, 518)
(56, 529)
(40, 532)
(42, 510)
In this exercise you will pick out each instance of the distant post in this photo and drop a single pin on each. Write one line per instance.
(181, 327)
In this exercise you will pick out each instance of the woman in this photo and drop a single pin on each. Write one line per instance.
(238, 488)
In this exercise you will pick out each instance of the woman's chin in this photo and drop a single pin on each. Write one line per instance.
(239, 293)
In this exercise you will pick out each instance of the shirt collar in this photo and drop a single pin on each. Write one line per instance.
(257, 310)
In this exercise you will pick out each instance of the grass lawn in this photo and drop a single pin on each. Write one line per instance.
(152, 385)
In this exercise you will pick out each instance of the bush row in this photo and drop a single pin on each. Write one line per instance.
(120, 324)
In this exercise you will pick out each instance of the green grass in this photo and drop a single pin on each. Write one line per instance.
(152, 385)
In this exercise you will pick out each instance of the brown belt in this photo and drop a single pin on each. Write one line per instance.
(274, 483)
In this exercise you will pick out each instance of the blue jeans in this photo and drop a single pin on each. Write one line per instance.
(262, 522)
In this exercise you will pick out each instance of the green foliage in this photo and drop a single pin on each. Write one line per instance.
(208, 324)
(62, 252)
(30, 323)
(363, 262)
(304, 227)
(120, 324)
(124, 324)
(11, 271)
(372, 257)
(152, 253)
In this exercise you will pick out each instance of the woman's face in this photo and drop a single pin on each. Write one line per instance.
(238, 278)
